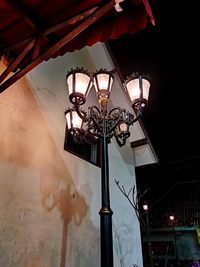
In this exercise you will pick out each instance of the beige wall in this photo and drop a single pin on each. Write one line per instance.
(39, 202)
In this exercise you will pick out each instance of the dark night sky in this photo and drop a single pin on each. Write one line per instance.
(169, 53)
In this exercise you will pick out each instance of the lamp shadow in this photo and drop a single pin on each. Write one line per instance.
(72, 206)
(122, 243)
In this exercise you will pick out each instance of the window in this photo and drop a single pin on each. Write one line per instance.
(88, 150)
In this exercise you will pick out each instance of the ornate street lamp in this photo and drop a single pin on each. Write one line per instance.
(103, 124)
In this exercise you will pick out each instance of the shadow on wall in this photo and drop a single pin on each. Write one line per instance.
(41, 181)
(123, 243)
(71, 206)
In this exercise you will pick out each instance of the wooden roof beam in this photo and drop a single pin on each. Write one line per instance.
(52, 29)
(70, 21)
(58, 45)
(16, 62)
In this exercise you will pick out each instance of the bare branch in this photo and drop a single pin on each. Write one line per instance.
(134, 201)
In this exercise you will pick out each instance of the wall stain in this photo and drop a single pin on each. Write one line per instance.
(26, 143)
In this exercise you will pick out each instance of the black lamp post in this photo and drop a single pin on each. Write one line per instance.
(146, 209)
(103, 124)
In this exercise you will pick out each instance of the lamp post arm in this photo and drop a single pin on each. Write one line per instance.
(95, 117)
(113, 109)
(81, 113)
(115, 118)
(92, 108)
(134, 119)
(120, 142)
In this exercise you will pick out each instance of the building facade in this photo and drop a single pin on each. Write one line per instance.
(50, 198)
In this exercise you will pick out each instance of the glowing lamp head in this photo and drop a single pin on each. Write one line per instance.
(79, 82)
(103, 81)
(137, 88)
(74, 122)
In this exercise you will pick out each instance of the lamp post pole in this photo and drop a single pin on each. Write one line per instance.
(103, 123)
(146, 209)
(171, 217)
(105, 211)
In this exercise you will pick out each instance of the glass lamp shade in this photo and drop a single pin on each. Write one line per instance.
(122, 133)
(122, 128)
(137, 88)
(103, 81)
(171, 217)
(73, 120)
(79, 82)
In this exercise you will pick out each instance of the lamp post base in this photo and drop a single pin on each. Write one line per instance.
(106, 237)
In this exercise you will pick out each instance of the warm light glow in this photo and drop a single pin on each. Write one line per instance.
(145, 206)
(81, 83)
(134, 90)
(103, 82)
(146, 86)
(123, 127)
(171, 217)
(73, 120)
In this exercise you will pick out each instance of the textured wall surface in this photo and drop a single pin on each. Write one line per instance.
(40, 207)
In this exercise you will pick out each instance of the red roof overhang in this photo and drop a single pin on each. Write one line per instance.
(32, 31)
